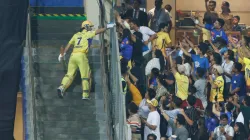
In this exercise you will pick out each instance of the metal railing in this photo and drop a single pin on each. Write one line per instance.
(118, 103)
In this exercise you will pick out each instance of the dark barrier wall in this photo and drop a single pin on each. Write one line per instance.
(57, 3)
(13, 17)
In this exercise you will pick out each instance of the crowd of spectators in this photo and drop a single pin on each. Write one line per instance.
(184, 91)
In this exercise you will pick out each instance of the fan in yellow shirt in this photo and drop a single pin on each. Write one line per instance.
(247, 72)
(163, 40)
(217, 83)
(182, 81)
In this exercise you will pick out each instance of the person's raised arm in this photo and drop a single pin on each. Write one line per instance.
(173, 65)
(217, 113)
(134, 79)
(214, 48)
(188, 120)
(234, 102)
(191, 44)
(99, 31)
(206, 1)
(185, 51)
(165, 115)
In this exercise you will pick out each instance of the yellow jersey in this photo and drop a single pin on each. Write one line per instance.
(162, 40)
(80, 41)
(182, 83)
(219, 82)
(206, 34)
(247, 72)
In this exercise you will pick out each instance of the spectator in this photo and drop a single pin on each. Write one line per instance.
(224, 131)
(152, 124)
(157, 62)
(226, 16)
(245, 109)
(227, 109)
(151, 137)
(238, 83)
(200, 86)
(136, 13)
(217, 84)
(163, 40)
(168, 7)
(182, 81)
(158, 15)
(208, 22)
(169, 78)
(202, 130)
(198, 104)
(176, 106)
(216, 30)
(143, 107)
(177, 125)
(137, 45)
(126, 47)
(239, 131)
(133, 90)
(210, 10)
(220, 45)
(152, 82)
(138, 71)
(236, 26)
(199, 60)
(191, 115)
(211, 121)
(134, 121)
(184, 62)
(147, 37)
(227, 66)
(125, 7)
(161, 88)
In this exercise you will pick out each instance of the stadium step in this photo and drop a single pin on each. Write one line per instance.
(70, 118)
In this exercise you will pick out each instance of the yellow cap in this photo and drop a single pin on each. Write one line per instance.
(153, 102)
(87, 23)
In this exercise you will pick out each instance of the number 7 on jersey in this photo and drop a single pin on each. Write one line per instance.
(79, 40)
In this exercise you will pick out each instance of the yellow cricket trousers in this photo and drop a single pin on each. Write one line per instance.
(78, 60)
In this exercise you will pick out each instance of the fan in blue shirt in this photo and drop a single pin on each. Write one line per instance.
(199, 60)
(217, 30)
(238, 81)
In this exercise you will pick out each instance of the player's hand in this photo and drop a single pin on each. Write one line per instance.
(61, 57)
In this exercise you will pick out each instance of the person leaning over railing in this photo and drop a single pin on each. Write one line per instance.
(81, 42)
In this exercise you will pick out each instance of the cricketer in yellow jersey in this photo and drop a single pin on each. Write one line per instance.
(81, 42)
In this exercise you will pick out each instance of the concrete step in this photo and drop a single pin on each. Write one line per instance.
(74, 87)
(96, 73)
(57, 43)
(64, 136)
(46, 50)
(45, 58)
(59, 66)
(54, 29)
(61, 23)
(51, 36)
